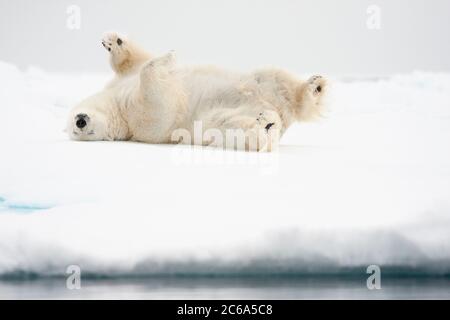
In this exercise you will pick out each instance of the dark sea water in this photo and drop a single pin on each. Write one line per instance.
(228, 288)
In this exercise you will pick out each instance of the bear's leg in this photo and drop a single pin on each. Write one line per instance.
(125, 56)
(241, 131)
(268, 129)
(161, 92)
(317, 85)
(313, 90)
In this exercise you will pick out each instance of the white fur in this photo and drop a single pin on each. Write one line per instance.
(151, 98)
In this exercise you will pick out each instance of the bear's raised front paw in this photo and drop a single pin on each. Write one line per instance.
(112, 40)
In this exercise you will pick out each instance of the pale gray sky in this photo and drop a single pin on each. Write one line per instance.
(323, 36)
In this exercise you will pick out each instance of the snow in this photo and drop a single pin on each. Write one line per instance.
(369, 184)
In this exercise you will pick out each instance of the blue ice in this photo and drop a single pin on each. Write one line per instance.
(6, 206)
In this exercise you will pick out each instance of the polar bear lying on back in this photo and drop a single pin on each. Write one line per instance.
(151, 100)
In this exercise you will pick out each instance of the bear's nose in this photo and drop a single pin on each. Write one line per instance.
(81, 120)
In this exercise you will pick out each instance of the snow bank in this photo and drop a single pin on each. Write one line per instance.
(370, 184)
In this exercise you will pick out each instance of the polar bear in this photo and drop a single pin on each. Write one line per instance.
(154, 101)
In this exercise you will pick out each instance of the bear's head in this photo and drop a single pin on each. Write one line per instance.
(90, 120)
